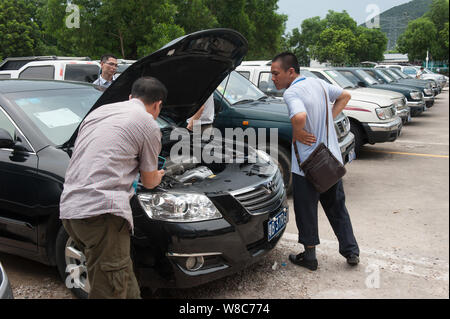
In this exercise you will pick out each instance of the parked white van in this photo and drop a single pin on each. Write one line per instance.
(50, 68)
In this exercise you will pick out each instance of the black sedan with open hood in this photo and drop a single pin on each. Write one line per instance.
(206, 220)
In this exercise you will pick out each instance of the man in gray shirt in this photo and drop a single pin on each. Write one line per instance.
(306, 101)
(114, 143)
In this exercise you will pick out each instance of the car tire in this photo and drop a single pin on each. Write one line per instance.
(69, 256)
(357, 131)
(284, 164)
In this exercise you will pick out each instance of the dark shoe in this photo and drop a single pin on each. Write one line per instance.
(300, 260)
(353, 260)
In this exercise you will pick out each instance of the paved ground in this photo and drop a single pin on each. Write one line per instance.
(398, 198)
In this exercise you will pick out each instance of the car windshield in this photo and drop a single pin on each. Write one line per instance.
(400, 73)
(410, 71)
(393, 74)
(239, 90)
(382, 75)
(341, 80)
(56, 113)
(367, 77)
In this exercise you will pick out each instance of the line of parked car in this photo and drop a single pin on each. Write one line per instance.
(234, 214)
(383, 98)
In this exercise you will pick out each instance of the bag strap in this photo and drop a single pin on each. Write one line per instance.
(297, 155)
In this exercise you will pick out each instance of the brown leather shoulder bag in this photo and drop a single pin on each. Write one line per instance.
(321, 168)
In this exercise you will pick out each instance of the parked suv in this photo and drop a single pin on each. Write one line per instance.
(50, 68)
(389, 76)
(240, 104)
(412, 72)
(368, 124)
(359, 77)
(361, 93)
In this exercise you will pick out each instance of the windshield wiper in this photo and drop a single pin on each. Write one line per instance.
(244, 101)
(348, 87)
(263, 98)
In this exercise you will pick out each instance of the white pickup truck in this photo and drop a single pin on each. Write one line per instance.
(373, 115)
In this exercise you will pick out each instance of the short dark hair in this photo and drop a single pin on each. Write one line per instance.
(288, 60)
(149, 90)
(106, 57)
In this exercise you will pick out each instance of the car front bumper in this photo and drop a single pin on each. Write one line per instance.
(429, 100)
(416, 107)
(383, 132)
(405, 114)
(226, 245)
(346, 146)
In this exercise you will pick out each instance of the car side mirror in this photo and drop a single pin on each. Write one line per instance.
(6, 140)
(362, 84)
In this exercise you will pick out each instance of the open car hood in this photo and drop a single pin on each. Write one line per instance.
(191, 67)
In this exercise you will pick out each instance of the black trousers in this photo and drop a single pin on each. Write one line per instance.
(306, 200)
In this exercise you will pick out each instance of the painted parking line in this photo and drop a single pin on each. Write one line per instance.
(418, 266)
(409, 154)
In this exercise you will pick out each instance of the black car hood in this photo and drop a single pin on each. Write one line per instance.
(191, 67)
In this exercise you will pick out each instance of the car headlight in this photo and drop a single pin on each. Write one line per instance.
(178, 207)
(383, 113)
(428, 92)
(416, 95)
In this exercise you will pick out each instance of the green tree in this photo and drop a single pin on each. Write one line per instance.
(19, 33)
(336, 45)
(296, 44)
(370, 44)
(337, 39)
(194, 15)
(438, 13)
(129, 29)
(418, 37)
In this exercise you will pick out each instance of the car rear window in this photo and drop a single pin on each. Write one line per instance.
(81, 72)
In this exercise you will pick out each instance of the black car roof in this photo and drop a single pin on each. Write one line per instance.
(17, 85)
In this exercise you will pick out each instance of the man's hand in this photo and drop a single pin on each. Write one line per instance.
(152, 179)
(298, 132)
(190, 125)
(303, 137)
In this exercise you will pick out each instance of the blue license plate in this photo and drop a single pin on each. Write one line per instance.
(277, 224)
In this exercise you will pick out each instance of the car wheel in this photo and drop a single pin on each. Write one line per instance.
(71, 264)
(284, 164)
(359, 137)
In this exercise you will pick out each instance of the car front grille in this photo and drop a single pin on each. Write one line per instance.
(341, 128)
(262, 198)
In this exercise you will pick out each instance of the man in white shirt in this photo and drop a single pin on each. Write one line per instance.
(307, 106)
(205, 115)
(109, 66)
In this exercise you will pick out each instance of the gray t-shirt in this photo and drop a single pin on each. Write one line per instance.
(307, 95)
(114, 142)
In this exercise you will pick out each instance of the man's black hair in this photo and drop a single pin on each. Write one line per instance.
(288, 60)
(106, 57)
(149, 90)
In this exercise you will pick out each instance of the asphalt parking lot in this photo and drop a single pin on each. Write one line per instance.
(398, 198)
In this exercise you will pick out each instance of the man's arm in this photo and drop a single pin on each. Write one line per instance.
(152, 179)
(195, 117)
(341, 103)
(298, 132)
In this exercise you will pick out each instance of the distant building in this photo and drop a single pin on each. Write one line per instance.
(395, 58)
